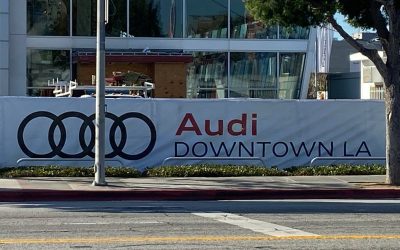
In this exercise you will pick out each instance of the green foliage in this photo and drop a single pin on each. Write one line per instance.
(207, 170)
(338, 170)
(360, 13)
(292, 12)
(126, 172)
(200, 170)
(45, 171)
(57, 171)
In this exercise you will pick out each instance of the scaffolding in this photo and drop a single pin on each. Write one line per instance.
(73, 89)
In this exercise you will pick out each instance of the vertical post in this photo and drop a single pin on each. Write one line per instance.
(316, 65)
(99, 167)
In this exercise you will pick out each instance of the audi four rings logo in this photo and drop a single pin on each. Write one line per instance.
(87, 121)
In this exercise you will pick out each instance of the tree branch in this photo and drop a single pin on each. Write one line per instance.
(394, 39)
(372, 54)
(380, 23)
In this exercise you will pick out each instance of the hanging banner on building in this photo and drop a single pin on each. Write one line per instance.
(145, 132)
(324, 45)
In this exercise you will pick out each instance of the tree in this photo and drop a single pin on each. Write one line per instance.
(380, 15)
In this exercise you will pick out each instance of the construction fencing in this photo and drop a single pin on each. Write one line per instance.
(150, 132)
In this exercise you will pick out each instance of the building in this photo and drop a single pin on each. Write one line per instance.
(371, 81)
(350, 74)
(189, 48)
(340, 58)
(341, 51)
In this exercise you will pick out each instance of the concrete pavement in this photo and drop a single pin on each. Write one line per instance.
(197, 188)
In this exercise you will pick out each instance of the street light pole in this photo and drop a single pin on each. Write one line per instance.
(99, 164)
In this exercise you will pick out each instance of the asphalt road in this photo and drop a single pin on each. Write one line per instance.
(279, 224)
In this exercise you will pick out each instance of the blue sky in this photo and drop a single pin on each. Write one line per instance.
(348, 28)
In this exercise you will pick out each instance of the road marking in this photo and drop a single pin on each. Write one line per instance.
(351, 201)
(111, 223)
(255, 225)
(183, 238)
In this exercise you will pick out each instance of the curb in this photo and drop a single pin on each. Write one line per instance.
(13, 195)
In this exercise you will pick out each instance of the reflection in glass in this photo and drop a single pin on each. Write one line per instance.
(84, 22)
(155, 18)
(253, 75)
(48, 17)
(116, 18)
(291, 67)
(294, 32)
(45, 65)
(207, 18)
(244, 26)
(207, 75)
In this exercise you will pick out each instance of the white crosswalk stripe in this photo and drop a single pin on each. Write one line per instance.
(255, 225)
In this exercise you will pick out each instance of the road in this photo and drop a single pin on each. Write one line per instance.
(262, 224)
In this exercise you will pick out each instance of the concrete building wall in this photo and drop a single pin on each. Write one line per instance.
(17, 63)
(340, 57)
(4, 47)
(344, 85)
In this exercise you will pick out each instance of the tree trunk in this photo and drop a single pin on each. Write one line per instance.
(392, 102)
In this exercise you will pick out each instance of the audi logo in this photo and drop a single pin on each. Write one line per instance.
(87, 122)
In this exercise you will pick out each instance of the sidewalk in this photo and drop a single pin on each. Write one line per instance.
(197, 188)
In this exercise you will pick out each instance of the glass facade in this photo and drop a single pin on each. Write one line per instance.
(244, 26)
(45, 65)
(207, 18)
(291, 67)
(257, 72)
(48, 17)
(254, 75)
(84, 21)
(207, 75)
(156, 18)
(293, 32)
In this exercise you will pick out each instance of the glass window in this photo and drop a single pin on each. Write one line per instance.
(371, 74)
(377, 92)
(84, 17)
(207, 75)
(367, 74)
(244, 26)
(84, 22)
(155, 18)
(48, 17)
(207, 18)
(44, 66)
(293, 32)
(253, 75)
(117, 18)
(291, 67)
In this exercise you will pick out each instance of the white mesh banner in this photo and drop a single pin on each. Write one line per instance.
(145, 132)
(324, 43)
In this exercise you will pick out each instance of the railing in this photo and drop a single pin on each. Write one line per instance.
(41, 160)
(347, 158)
(65, 89)
(136, 53)
(213, 158)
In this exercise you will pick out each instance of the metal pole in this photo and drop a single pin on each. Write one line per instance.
(316, 66)
(99, 167)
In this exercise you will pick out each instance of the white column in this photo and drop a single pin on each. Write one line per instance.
(4, 47)
(17, 47)
(309, 66)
